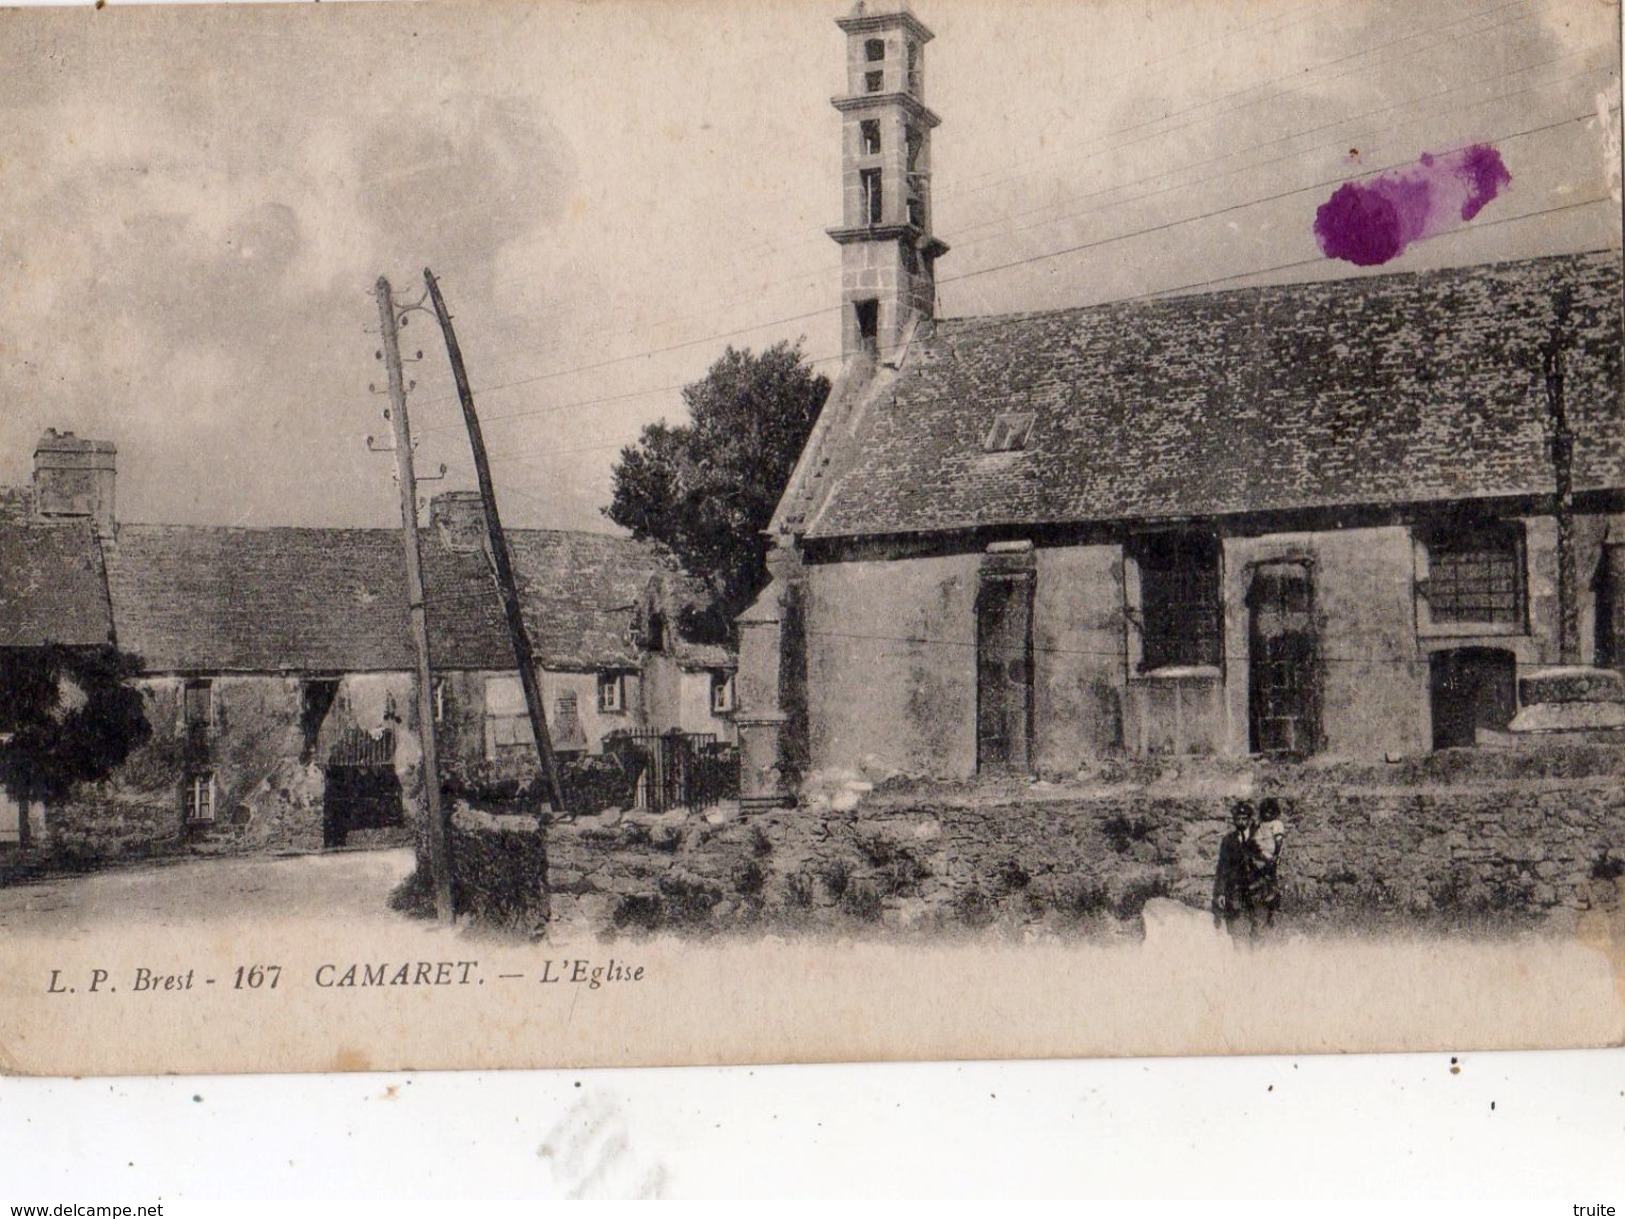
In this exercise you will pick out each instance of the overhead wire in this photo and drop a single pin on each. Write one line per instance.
(512, 383)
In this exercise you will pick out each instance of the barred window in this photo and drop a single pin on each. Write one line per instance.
(1475, 574)
(1179, 600)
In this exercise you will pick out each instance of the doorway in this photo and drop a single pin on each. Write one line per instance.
(1283, 665)
(1004, 673)
(1469, 689)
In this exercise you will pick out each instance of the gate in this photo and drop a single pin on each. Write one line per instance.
(362, 791)
(677, 769)
(1283, 669)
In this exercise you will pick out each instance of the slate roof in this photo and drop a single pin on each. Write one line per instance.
(16, 505)
(196, 599)
(53, 588)
(1370, 391)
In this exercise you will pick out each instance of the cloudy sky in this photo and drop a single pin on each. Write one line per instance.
(198, 201)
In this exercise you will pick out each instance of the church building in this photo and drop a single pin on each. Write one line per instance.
(1363, 518)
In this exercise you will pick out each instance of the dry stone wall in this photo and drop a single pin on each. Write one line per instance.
(1449, 843)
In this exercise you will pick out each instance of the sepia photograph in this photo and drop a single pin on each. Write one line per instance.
(729, 532)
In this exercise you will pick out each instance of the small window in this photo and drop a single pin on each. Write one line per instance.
(874, 50)
(1010, 432)
(874, 82)
(197, 705)
(916, 211)
(198, 797)
(867, 316)
(1475, 574)
(317, 697)
(1179, 600)
(874, 203)
(869, 136)
(654, 634)
(507, 719)
(611, 693)
(914, 68)
(915, 143)
(722, 693)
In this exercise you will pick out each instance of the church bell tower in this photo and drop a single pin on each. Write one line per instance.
(888, 255)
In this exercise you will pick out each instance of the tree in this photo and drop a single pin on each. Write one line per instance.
(707, 489)
(67, 716)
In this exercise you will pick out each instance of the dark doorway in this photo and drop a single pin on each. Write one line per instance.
(1469, 689)
(1283, 665)
(363, 792)
(1004, 674)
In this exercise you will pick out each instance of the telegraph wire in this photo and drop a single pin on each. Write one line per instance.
(1001, 228)
(1235, 207)
(977, 272)
(1094, 143)
(950, 193)
(1195, 286)
(833, 272)
(980, 271)
(1119, 654)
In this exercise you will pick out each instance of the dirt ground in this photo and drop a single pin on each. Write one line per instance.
(350, 886)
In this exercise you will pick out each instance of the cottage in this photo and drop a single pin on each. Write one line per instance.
(276, 663)
(1315, 519)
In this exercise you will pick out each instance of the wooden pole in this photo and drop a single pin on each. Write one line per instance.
(501, 560)
(435, 830)
(1562, 440)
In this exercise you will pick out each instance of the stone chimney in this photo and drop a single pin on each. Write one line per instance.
(459, 518)
(74, 479)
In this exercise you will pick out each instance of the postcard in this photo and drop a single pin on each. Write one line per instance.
(545, 534)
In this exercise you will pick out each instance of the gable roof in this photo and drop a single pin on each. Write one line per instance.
(198, 599)
(1370, 391)
(53, 588)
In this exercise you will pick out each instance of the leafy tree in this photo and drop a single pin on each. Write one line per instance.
(67, 716)
(707, 489)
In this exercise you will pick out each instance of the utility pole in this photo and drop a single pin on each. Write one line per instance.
(501, 560)
(439, 854)
(1568, 609)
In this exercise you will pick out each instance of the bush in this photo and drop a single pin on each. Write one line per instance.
(1081, 899)
(1013, 877)
(749, 879)
(798, 890)
(973, 908)
(1121, 833)
(595, 782)
(862, 901)
(836, 875)
(1137, 892)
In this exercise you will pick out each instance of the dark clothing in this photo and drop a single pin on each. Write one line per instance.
(1235, 880)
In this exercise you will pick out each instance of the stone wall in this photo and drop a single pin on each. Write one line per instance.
(892, 663)
(269, 785)
(1481, 842)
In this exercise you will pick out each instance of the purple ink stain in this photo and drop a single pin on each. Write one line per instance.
(1369, 223)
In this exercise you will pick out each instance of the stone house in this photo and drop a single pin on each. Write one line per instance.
(276, 663)
(1308, 520)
